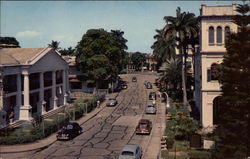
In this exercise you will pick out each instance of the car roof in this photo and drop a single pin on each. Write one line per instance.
(144, 121)
(130, 147)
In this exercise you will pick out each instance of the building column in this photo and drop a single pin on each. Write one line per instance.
(64, 91)
(67, 84)
(25, 110)
(54, 98)
(42, 103)
(18, 98)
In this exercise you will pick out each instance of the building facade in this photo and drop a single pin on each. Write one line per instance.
(34, 81)
(215, 23)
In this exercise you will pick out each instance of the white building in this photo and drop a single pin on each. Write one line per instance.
(215, 23)
(34, 80)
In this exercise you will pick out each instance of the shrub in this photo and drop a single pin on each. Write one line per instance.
(195, 154)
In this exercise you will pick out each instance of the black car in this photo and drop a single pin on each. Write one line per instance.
(149, 85)
(68, 132)
(134, 79)
(152, 96)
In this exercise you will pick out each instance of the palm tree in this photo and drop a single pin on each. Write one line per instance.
(55, 45)
(181, 28)
(163, 48)
(170, 80)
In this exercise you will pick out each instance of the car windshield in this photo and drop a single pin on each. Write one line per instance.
(111, 99)
(127, 153)
(69, 127)
(150, 105)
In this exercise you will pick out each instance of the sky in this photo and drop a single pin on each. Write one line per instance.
(37, 23)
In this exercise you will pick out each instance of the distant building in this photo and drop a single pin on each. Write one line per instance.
(33, 81)
(151, 62)
(215, 24)
(78, 81)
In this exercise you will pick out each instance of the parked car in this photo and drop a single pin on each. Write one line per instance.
(152, 96)
(131, 151)
(111, 102)
(68, 132)
(149, 85)
(124, 86)
(144, 127)
(150, 109)
(134, 79)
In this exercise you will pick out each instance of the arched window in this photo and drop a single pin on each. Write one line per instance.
(214, 71)
(227, 32)
(211, 35)
(219, 34)
(217, 103)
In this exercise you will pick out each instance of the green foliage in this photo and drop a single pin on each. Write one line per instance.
(54, 45)
(163, 48)
(170, 80)
(234, 125)
(9, 40)
(196, 154)
(138, 59)
(69, 51)
(101, 54)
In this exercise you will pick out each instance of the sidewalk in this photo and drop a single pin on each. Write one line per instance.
(154, 146)
(46, 142)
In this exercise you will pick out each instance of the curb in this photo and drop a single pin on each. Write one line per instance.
(51, 139)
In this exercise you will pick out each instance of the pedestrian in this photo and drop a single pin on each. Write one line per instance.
(98, 103)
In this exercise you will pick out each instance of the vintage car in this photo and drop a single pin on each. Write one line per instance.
(111, 102)
(68, 132)
(131, 151)
(150, 109)
(144, 127)
(152, 96)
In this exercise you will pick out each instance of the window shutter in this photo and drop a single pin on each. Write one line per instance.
(209, 75)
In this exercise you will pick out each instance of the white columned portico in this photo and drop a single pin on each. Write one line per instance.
(64, 92)
(54, 98)
(18, 97)
(25, 110)
(41, 105)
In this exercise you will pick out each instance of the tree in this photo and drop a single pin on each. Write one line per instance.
(181, 27)
(170, 80)
(99, 54)
(69, 51)
(233, 129)
(138, 59)
(54, 45)
(163, 48)
(8, 42)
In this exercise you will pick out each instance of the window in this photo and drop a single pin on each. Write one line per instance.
(212, 72)
(211, 35)
(217, 103)
(76, 85)
(59, 77)
(34, 81)
(219, 35)
(47, 79)
(9, 83)
(227, 32)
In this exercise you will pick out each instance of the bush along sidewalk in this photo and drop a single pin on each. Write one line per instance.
(179, 128)
(42, 128)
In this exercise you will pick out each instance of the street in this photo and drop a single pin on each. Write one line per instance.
(105, 134)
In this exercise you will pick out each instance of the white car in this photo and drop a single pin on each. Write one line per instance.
(150, 109)
(131, 151)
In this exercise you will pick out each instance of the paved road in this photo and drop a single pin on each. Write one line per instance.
(105, 135)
